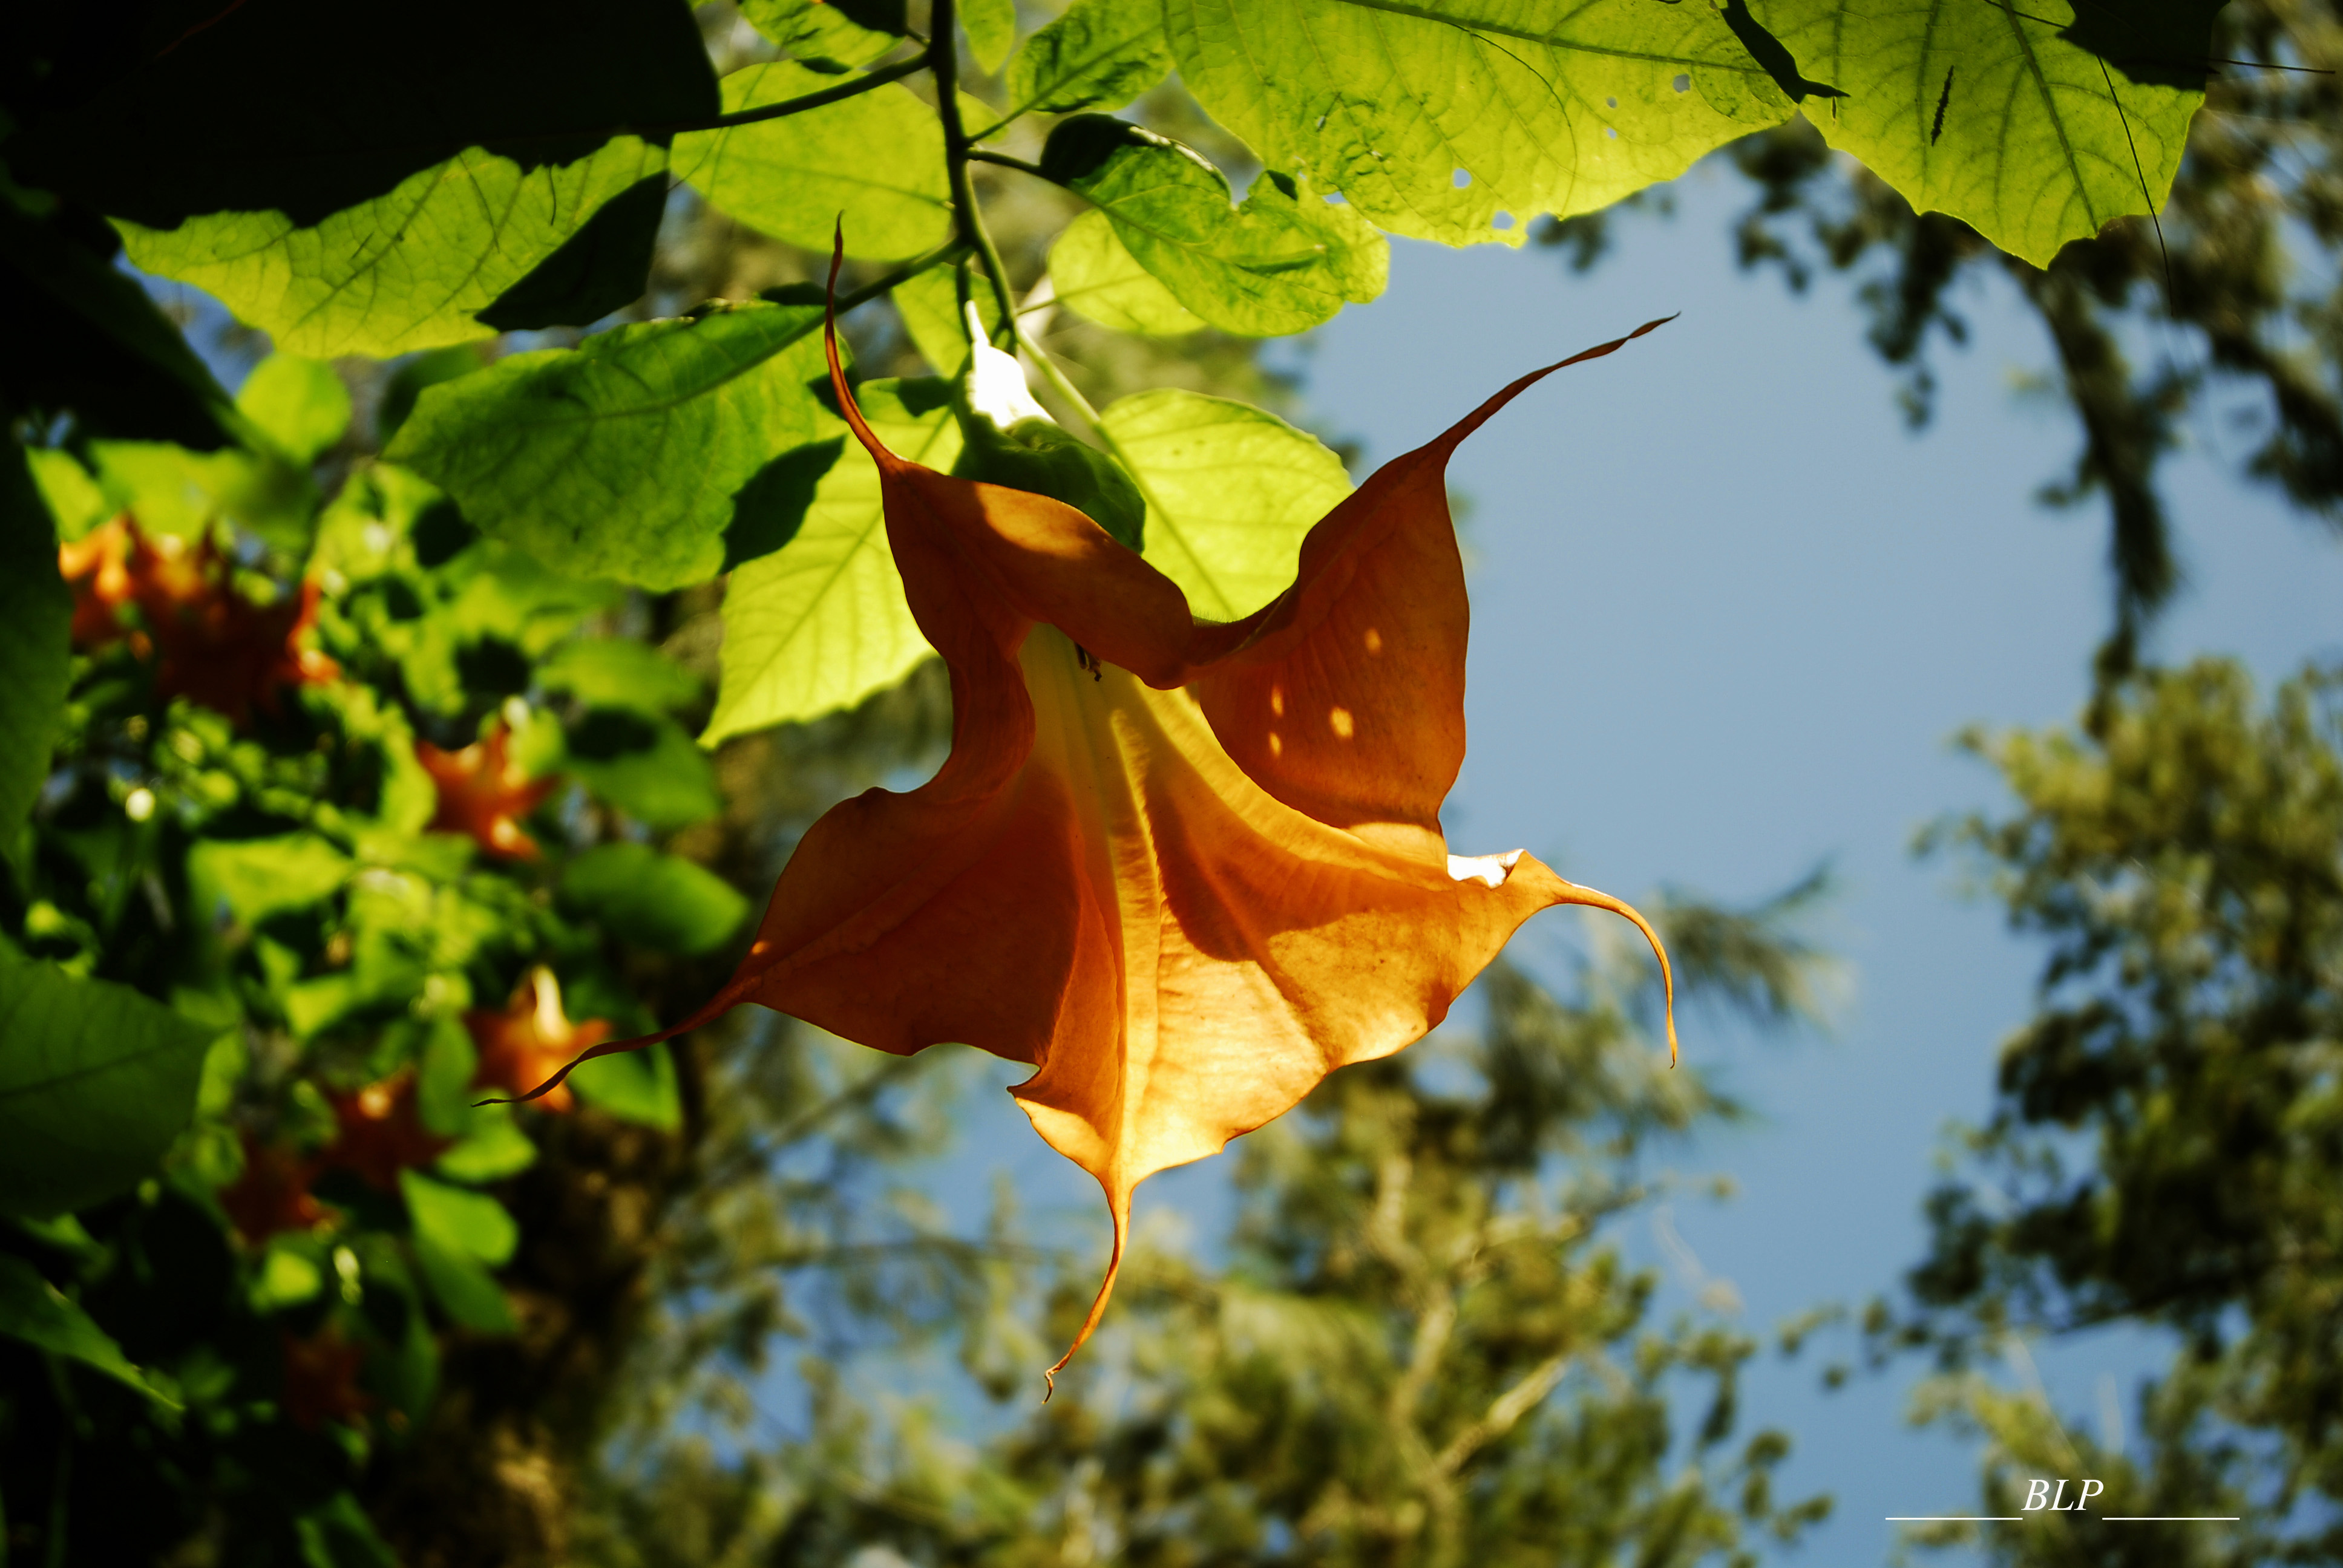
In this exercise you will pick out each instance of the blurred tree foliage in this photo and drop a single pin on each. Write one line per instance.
(2221, 323)
(2169, 1143)
(1423, 1344)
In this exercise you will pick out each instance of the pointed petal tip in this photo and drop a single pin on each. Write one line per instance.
(1118, 1204)
(1592, 898)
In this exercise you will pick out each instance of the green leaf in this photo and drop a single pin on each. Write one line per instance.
(632, 455)
(1093, 276)
(602, 268)
(413, 268)
(73, 498)
(338, 1535)
(878, 158)
(1284, 262)
(614, 672)
(257, 877)
(36, 1312)
(471, 1223)
(823, 623)
(823, 33)
(647, 767)
(660, 901)
(378, 204)
(36, 657)
(498, 1149)
(1100, 52)
(930, 306)
(96, 1080)
(290, 1274)
(992, 26)
(299, 404)
(637, 1086)
(1539, 108)
(2010, 118)
(1231, 491)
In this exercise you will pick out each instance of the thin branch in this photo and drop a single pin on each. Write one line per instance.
(1503, 1411)
(943, 62)
(983, 156)
(868, 81)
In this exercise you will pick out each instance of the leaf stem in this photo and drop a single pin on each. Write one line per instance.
(868, 82)
(983, 156)
(943, 63)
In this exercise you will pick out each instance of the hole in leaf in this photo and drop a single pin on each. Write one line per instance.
(1460, 178)
(1612, 103)
(1683, 83)
(1611, 132)
(1502, 220)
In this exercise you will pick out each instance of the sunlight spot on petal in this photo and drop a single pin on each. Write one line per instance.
(1340, 721)
(1276, 744)
(1277, 701)
(1374, 640)
(1490, 871)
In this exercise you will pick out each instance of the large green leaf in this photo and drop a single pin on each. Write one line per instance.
(823, 623)
(2029, 124)
(370, 177)
(877, 158)
(1460, 120)
(660, 901)
(36, 616)
(1100, 52)
(413, 268)
(833, 34)
(634, 455)
(33, 1311)
(257, 877)
(1093, 276)
(1284, 262)
(1231, 491)
(299, 404)
(96, 1080)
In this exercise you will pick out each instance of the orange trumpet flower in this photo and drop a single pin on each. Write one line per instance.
(1183, 868)
(531, 1038)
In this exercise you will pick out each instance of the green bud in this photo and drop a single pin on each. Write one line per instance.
(1009, 440)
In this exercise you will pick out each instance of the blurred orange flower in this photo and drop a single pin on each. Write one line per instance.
(531, 1040)
(321, 1381)
(210, 644)
(484, 794)
(273, 1193)
(382, 1132)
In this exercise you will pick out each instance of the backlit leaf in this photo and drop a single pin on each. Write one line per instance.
(299, 404)
(34, 1311)
(36, 615)
(660, 901)
(1282, 262)
(412, 268)
(1101, 52)
(1231, 491)
(2036, 125)
(930, 306)
(369, 177)
(992, 27)
(96, 1080)
(822, 624)
(1462, 120)
(1095, 276)
(832, 35)
(878, 158)
(633, 455)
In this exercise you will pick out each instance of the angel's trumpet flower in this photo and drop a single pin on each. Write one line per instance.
(1183, 868)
